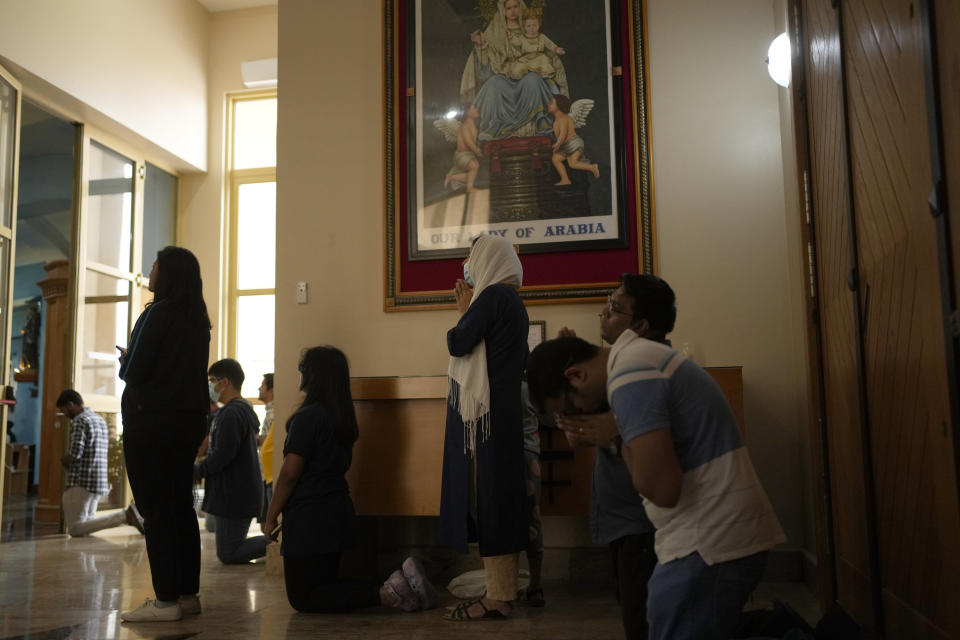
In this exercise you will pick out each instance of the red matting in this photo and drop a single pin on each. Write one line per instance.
(556, 269)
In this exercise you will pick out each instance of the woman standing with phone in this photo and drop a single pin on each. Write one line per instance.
(164, 407)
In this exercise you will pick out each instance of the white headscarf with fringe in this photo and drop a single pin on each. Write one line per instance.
(492, 260)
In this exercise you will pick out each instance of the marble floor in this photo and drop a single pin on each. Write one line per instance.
(18, 520)
(56, 587)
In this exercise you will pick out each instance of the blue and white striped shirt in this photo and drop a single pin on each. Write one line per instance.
(723, 512)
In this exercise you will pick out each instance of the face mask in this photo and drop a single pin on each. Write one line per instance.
(466, 273)
(214, 394)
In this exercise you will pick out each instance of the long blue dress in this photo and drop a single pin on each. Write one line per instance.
(505, 105)
(499, 318)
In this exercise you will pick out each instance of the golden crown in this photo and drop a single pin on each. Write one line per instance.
(488, 8)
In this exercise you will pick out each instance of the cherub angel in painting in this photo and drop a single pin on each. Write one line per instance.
(466, 159)
(569, 146)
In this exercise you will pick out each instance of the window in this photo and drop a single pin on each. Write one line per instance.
(252, 236)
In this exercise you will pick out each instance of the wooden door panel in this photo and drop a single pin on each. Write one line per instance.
(948, 50)
(905, 368)
(834, 262)
(901, 621)
(947, 26)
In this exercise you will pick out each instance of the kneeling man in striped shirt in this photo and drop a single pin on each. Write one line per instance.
(687, 460)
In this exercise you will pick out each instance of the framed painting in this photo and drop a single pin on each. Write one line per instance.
(522, 118)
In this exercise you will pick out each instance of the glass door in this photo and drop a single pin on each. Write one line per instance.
(108, 270)
(128, 212)
(9, 155)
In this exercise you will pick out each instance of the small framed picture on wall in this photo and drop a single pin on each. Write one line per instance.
(538, 333)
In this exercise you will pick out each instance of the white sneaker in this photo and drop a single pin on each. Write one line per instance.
(150, 612)
(189, 605)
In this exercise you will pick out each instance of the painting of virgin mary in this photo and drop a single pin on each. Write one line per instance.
(504, 143)
(511, 97)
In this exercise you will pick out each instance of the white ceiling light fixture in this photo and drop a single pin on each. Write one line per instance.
(259, 74)
(778, 60)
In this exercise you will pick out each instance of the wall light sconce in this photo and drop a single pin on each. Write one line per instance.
(778, 60)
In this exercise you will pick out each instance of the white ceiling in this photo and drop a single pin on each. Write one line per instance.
(230, 5)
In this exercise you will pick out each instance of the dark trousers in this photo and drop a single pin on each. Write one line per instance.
(233, 545)
(633, 562)
(691, 600)
(159, 451)
(313, 585)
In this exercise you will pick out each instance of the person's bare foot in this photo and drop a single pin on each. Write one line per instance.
(562, 182)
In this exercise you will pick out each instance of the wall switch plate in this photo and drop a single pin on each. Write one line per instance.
(301, 293)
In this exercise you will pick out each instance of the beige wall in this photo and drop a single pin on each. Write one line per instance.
(141, 64)
(727, 243)
(797, 270)
(154, 74)
(725, 236)
(233, 37)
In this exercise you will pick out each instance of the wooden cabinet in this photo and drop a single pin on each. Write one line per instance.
(398, 459)
(16, 467)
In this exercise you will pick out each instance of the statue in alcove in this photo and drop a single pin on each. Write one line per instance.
(30, 352)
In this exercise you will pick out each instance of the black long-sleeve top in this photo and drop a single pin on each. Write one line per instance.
(166, 365)
(234, 483)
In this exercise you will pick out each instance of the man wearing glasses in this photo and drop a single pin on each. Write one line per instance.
(644, 304)
(685, 456)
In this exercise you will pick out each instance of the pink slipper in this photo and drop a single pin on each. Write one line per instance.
(403, 595)
(417, 577)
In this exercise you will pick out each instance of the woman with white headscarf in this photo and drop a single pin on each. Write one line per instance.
(483, 491)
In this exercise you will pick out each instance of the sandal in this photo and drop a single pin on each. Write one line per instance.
(462, 612)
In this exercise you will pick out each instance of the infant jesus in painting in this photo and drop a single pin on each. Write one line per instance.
(538, 52)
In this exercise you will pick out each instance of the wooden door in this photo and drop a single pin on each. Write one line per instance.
(905, 353)
(885, 345)
(835, 262)
(947, 15)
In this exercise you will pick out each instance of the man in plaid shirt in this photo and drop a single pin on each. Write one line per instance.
(86, 465)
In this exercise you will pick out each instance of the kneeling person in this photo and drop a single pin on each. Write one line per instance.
(234, 485)
(86, 465)
(686, 458)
